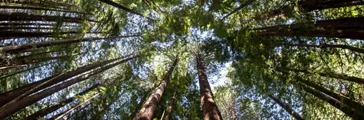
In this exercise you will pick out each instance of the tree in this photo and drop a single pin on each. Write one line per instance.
(209, 108)
(150, 105)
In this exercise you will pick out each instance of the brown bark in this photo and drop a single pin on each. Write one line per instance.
(310, 5)
(139, 106)
(20, 102)
(110, 2)
(41, 84)
(340, 28)
(209, 107)
(73, 108)
(149, 107)
(40, 8)
(30, 17)
(345, 100)
(61, 104)
(354, 49)
(239, 8)
(334, 75)
(333, 102)
(286, 107)
(21, 47)
(41, 3)
(169, 110)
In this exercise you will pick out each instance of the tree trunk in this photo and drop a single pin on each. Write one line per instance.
(310, 5)
(110, 2)
(47, 82)
(286, 107)
(18, 103)
(45, 111)
(14, 48)
(239, 8)
(209, 107)
(340, 28)
(40, 8)
(41, 3)
(25, 61)
(73, 108)
(359, 108)
(334, 75)
(31, 17)
(149, 107)
(169, 110)
(354, 49)
(333, 102)
(139, 106)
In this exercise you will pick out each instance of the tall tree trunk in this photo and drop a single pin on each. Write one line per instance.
(51, 43)
(354, 49)
(209, 107)
(139, 106)
(333, 102)
(30, 17)
(45, 111)
(19, 102)
(47, 82)
(340, 28)
(248, 2)
(149, 107)
(41, 3)
(334, 75)
(73, 108)
(310, 5)
(25, 61)
(169, 110)
(110, 2)
(40, 8)
(286, 107)
(359, 108)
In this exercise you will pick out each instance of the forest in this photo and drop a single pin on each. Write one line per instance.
(181, 59)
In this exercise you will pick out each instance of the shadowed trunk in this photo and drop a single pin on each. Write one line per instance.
(340, 28)
(209, 107)
(110, 2)
(19, 102)
(354, 49)
(61, 104)
(334, 75)
(169, 110)
(343, 99)
(239, 8)
(31, 17)
(286, 107)
(40, 8)
(41, 84)
(21, 47)
(333, 102)
(149, 107)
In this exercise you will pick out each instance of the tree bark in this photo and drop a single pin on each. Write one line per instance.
(333, 102)
(340, 28)
(45, 111)
(47, 82)
(19, 103)
(354, 49)
(40, 8)
(286, 107)
(149, 107)
(209, 107)
(21, 47)
(139, 106)
(169, 110)
(359, 108)
(31, 17)
(239, 8)
(41, 3)
(334, 75)
(110, 2)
